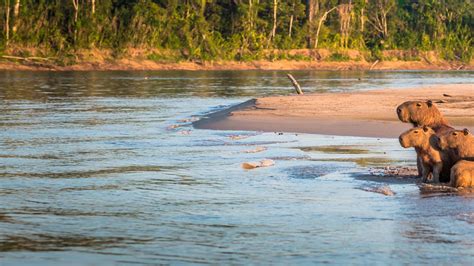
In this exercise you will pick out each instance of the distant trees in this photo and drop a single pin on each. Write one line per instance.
(378, 18)
(239, 29)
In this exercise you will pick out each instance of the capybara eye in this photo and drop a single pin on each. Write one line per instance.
(418, 104)
(416, 131)
(455, 134)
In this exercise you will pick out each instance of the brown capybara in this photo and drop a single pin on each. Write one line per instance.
(462, 174)
(433, 161)
(423, 113)
(458, 143)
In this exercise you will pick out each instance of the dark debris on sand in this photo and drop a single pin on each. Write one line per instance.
(395, 171)
(389, 174)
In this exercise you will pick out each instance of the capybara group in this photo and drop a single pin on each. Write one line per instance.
(444, 153)
(423, 113)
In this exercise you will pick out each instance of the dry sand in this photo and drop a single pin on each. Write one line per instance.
(367, 114)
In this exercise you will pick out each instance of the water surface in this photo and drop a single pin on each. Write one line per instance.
(105, 168)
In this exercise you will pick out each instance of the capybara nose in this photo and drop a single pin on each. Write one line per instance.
(399, 110)
(400, 139)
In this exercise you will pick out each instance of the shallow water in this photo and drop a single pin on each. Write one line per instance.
(105, 168)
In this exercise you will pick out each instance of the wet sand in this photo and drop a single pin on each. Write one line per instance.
(366, 114)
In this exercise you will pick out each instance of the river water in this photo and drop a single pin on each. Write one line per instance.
(105, 168)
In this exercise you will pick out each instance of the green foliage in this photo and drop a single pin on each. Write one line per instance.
(237, 30)
(164, 57)
(338, 57)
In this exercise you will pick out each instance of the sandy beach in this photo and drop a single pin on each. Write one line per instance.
(367, 114)
(140, 64)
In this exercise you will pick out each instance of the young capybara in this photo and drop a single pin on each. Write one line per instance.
(458, 143)
(462, 174)
(423, 113)
(433, 161)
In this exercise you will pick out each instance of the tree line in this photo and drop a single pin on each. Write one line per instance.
(239, 29)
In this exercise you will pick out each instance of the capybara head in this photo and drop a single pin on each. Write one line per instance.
(454, 139)
(416, 137)
(420, 113)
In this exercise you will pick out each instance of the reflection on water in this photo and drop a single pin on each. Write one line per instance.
(104, 167)
(86, 174)
(43, 243)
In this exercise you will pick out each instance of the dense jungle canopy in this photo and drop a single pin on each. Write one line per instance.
(239, 29)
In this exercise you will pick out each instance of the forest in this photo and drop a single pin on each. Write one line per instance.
(237, 29)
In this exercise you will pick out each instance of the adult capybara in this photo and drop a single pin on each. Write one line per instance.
(423, 113)
(462, 174)
(433, 161)
(459, 144)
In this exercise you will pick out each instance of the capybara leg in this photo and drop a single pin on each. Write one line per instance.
(452, 177)
(437, 168)
(419, 166)
(426, 171)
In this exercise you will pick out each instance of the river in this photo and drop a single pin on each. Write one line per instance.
(106, 168)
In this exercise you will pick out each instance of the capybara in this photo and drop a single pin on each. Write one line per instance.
(423, 113)
(458, 143)
(462, 174)
(433, 160)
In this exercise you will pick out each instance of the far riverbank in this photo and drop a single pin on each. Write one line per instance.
(297, 59)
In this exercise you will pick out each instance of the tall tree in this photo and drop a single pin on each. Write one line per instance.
(16, 13)
(312, 8)
(75, 3)
(7, 21)
(275, 7)
(344, 11)
(379, 16)
(321, 21)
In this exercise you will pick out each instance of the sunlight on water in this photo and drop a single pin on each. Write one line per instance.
(105, 168)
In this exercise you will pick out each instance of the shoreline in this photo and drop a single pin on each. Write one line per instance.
(134, 64)
(362, 114)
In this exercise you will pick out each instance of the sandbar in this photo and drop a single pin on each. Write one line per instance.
(362, 113)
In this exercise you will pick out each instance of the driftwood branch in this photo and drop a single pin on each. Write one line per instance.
(373, 65)
(295, 84)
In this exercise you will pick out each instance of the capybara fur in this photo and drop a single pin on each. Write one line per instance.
(422, 113)
(462, 174)
(433, 161)
(458, 143)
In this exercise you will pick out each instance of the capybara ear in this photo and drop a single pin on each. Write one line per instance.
(466, 131)
(430, 103)
(425, 128)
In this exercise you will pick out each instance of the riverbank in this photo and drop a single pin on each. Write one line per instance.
(141, 65)
(296, 59)
(366, 114)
